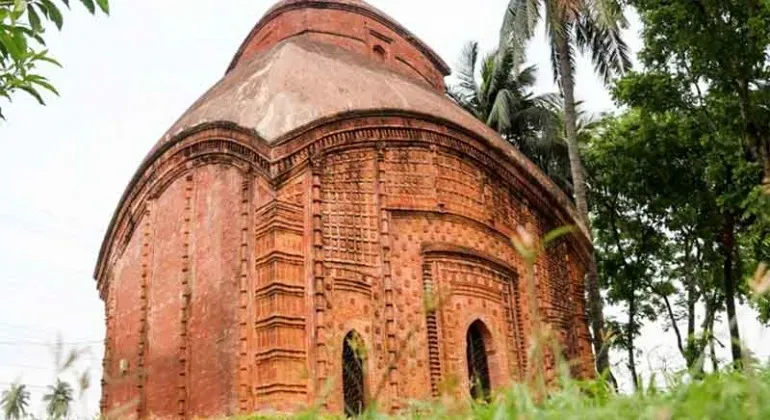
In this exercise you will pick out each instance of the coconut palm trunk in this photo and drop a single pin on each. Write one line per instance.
(595, 302)
(593, 28)
(570, 127)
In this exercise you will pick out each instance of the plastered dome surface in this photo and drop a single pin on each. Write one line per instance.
(319, 195)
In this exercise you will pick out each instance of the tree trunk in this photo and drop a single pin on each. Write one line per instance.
(630, 338)
(714, 361)
(692, 295)
(570, 127)
(595, 304)
(691, 353)
(728, 250)
(683, 348)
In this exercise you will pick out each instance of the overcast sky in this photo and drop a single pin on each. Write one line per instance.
(126, 78)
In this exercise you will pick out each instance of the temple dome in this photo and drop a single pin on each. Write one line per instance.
(295, 69)
(299, 81)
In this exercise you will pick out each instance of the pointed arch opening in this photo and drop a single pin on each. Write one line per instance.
(353, 374)
(477, 343)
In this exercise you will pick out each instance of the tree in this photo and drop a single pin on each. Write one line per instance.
(720, 46)
(592, 27)
(657, 225)
(58, 400)
(673, 157)
(15, 401)
(551, 153)
(629, 237)
(730, 175)
(22, 46)
(503, 99)
(714, 52)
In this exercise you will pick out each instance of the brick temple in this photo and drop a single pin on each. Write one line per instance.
(278, 245)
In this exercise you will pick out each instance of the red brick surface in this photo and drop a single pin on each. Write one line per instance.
(234, 268)
(354, 26)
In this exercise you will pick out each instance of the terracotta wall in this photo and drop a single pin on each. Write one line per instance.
(397, 218)
(357, 33)
(230, 291)
(176, 291)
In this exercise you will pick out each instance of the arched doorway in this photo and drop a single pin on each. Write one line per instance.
(353, 374)
(478, 365)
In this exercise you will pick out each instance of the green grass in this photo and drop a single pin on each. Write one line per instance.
(727, 395)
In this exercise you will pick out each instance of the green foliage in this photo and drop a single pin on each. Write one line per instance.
(656, 223)
(679, 213)
(685, 162)
(59, 400)
(22, 44)
(592, 27)
(727, 395)
(503, 99)
(15, 401)
(719, 46)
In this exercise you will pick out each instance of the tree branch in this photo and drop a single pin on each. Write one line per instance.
(671, 315)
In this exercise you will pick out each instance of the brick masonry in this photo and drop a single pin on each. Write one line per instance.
(234, 267)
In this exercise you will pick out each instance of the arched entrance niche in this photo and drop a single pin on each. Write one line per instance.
(353, 381)
(478, 342)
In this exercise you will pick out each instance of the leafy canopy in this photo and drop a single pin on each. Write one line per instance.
(720, 49)
(22, 43)
(593, 27)
(15, 401)
(59, 400)
(502, 98)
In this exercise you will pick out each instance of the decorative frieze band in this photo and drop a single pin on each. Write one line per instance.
(222, 143)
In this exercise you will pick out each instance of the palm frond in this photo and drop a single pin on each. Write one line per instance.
(500, 115)
(519, 24)
(601, 39)
(588, 121)
(15, 401)
(558, 29)
(58, 400)
(607, 13)
(466, 67)
(526, 78)
(539, 115)
(502, 66)
(551, 101)
(571, 58)
(465, 100)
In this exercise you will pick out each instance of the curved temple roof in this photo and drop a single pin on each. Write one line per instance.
(356, 6)
(301, 79)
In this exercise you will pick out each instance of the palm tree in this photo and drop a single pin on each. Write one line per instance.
(15, 401)
(592, 27)
(550, 149)
(58, 400)
(503, 100)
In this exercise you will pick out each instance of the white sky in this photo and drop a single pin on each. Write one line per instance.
(125, 79)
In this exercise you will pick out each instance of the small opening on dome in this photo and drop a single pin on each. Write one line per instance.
(379, 51)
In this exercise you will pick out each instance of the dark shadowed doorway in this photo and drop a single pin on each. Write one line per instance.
(478, 365)
(353, 374)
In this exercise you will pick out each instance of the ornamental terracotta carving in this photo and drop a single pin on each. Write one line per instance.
(323, 191)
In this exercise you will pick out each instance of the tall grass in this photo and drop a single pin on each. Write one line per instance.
(724, 395)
